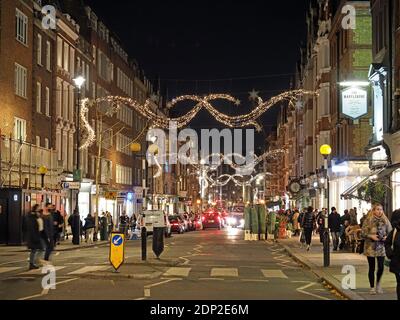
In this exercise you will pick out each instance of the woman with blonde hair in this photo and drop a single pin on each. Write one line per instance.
(375, 230)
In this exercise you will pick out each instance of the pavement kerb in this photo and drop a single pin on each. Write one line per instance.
(58, 249)
(111, 275)
(322, 275)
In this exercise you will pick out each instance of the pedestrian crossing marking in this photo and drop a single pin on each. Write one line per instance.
(8, 269)
(274, 274)
(39, 271)
(177, 272)
(89, 269)
(224, 272)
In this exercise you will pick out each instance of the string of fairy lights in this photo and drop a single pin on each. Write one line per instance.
(161, 121)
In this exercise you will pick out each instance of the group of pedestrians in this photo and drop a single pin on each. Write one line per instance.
(380, 238)
(42, 229)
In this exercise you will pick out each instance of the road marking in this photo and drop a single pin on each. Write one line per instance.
(224, 272)
(301, 290)
(253, 280)
(12, 262)
(211, 279)
(76, 263)
(57, 254)
(39, 271)
(177, 272)
(45, 291)
(147, 289)
(274, 274)
(89, 269)
(186, 261)
(10, 269)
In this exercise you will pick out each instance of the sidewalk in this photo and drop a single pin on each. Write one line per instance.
(65, 245)
(333, 275)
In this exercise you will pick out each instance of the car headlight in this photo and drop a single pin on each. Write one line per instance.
(242, 222)
(232, 220)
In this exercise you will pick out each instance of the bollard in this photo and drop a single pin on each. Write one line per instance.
(144, 243)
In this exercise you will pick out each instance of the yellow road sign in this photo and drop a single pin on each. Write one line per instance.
(117, 249)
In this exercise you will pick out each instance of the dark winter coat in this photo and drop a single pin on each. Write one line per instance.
(48, 225)
(31, 229)
(393, 254)
(334, 222)
(89, 223)
(308, 221)
(58, 221)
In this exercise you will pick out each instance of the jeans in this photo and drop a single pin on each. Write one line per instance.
(89, 235)
(49, 247)
(33, 256)
(372, 265)
(335, 239)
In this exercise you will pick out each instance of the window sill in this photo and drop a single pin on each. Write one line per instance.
(22, 97)
(24, 44)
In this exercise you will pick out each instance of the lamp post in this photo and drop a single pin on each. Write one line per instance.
(78, 81)
(325, 151)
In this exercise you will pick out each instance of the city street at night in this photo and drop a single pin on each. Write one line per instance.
(211, 265)
(199, 158)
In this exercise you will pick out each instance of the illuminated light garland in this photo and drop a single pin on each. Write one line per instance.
(91, 134)
(241, 121)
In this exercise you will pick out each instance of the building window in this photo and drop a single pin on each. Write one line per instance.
(47, 102)
(19, 129)
(65, 101)
(39, 49)
(21, 26)
(59, 52)
(48, 55)
(59, 99)
(72, 60)
(58, 145)
(66, 57)
(46, 143)
(20, 80)
(71, 152)
(38, 141)
(38, 97)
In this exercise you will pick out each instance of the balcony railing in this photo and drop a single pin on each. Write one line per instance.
(20, 163)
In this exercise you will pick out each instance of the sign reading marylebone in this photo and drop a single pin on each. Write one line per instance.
(354, 102)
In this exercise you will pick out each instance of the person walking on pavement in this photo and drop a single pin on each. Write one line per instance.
(392, 247)
(334, 227)
(89, 228)
(345, 222)
(48, 231)
(76, 225)
(375, 231)
(123, 223)
(308, 222)
(58, 221)
(103, 227)
(33, 225)
(296, 224)
(110, 223)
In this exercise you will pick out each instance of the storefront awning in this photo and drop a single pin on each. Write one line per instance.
(376, 175)
(349, 193)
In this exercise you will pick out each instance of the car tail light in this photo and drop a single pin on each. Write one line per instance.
(203, 218)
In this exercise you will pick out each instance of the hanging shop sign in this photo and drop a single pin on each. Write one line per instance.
(354, 102)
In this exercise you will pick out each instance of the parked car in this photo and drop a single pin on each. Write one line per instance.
(186, 221)
(197, 223)
(177, 224)
(211, 219)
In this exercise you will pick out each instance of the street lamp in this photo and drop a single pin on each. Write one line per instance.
(326, 151)
(79, 81)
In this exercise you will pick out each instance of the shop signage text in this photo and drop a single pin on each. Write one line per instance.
(354, 102)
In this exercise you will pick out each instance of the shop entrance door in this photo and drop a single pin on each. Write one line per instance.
(3, 220)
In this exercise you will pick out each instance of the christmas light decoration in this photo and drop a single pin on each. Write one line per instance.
(91, 136)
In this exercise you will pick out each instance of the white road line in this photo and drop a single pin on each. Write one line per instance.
(39, 271)
(9, 269)
(273, 274)
(253, 280)
(186, 261)
(301, 290)
(177, 272)
(211, 279)
(6, 263)
(88, 269)
(45, 291)
(147, 289)
(224, 272)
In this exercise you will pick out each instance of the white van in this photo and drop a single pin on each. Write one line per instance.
(155, 219)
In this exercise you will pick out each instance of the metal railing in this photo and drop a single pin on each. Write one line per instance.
(20, 162)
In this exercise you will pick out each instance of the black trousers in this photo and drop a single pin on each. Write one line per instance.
(49, 248)
(308, 235)
(398, 285)
(372, 265)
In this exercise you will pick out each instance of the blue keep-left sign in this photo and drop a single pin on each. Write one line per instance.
(117, 240)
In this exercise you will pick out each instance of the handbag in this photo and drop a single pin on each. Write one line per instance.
(387, 261)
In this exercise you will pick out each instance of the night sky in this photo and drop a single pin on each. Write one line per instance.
(212, 46)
